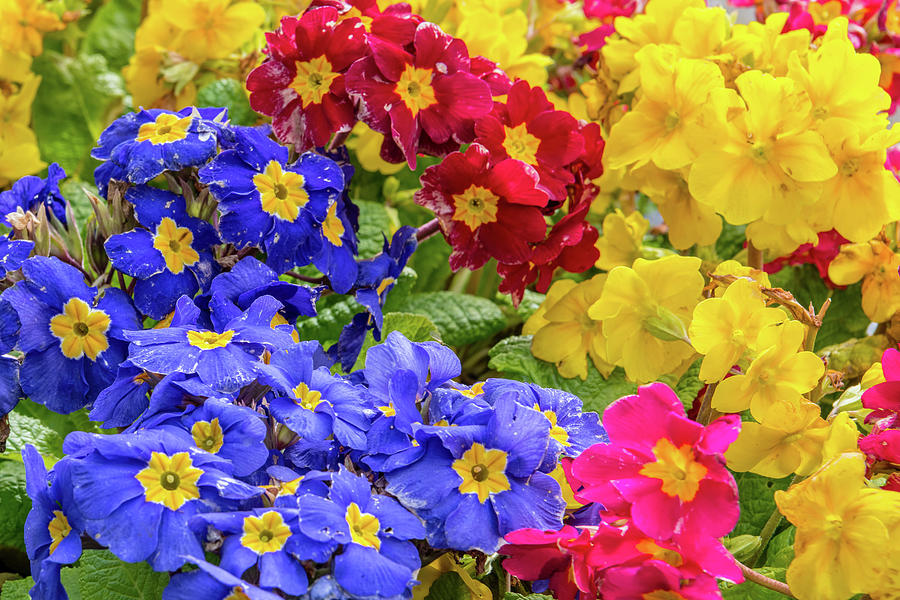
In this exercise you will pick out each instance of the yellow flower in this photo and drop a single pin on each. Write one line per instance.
(764, 46)
(795, 439)
(20, 160)
(658, 127)
(15, 112)
(210, 29)
(23, 24)
(15, 65)
(767, 152)
(876, 264)
(446, 563)
(366, 146)
(844, 530)
(733, 267)
(723, 329)
(644, 310)
(148, 85)
(620, 243)
(778, 375)
(564, 333)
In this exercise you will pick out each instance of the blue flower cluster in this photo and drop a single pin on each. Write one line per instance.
(248, 464)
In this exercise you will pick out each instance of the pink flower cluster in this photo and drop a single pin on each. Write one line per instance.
(660, 498)
(882, 445)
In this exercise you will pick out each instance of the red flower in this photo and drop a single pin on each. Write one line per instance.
(656, 579)
(485, 210)
(422, 101)
(608, 9)
(396, 23)
(827, 247)
(559, 556)
(527, 128)
(301, 84)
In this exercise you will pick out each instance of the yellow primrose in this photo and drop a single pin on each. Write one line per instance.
(645, 310)
(764, 46)
(446, 563)
(658, 127)
(689, 222)
(779, 374)
(798, 224)
(876, 264)
(15, 112)
(620, 243)
(366, 146)
(795, 439)
(733, 267)
(15, 65)
(210, 29)
(564, 333)
(23, 24)
(723, 329)
(845, 530)
(19, 160)
(149, 87)
(768, 149)
(864, 196)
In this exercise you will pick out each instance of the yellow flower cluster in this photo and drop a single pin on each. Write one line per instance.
(748, 123)
(180, 39)
(23, 24)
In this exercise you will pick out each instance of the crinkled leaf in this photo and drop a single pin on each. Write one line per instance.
(14, 506)
(375, 223)
(449, 586)
(753, 591)
(757, 501)
(780, 551)
(531, 301)
(111, 31)
(514, 596)
(72, 190)
(16, 589)
(327, 324)
(688, 386)
(431, 263)
(29, 430)
(513, 359)
(416, 328)
(462, 319)
(102, 576)
(230, 94)
(403, 287)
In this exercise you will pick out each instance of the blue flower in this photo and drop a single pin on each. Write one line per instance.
(337, 258)
(268, 203)
(31, 191)
(10, 392)
(209, 582)
(124, 400)
(234, 291)
(142, 145)
(170, 258)
(13, 253)
(474, 485)
(137, 493)
(314, 403)
(71, 334)
(235, 433)
(53, 526)
(226, 359)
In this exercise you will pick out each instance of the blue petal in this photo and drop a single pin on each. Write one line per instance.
(10, 392)
(57, 382)
(278, 570)
(537, 504)
(365, 572)
(157, 295)
(133, 253)
(522, 432)
(472, 526)
(176, 541)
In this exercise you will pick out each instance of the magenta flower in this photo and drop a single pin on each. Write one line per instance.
(669, 468)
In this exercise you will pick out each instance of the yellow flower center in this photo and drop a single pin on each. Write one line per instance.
(174, 243)
(307, 398)
(822, 14)
(313, 80)
(364, 527)
(657, 552)
(59, 528)
(483, 472)
(387, 281)
(170, 480)
(265, 533)
(672, 120)
(662, 595)
(556, 432)
(281, 192)
(166, 128)
(414, 89)
(209, 340)
(388, 410)
(333, 227)
(476, 390)
(759, 152)
(81, 330)
(849, 167)
(521, 145)
(680, 473)
(834, 526)
(475, 207)
(237, 594)
(208, 435)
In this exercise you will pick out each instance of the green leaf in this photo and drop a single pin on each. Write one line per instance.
(753, 591)
(531, 301)
(14, 506)
(230, 94)
(461, 318)
(430, 261)
(29, 430)
(780, 552)
(449, 586)
(72, 190)
(326, 326)
(77, 98)
(756, 496)
(63, 425)
(512, 358)
(688, 386)
(731, 240)
(416, 328)
(374, 224)
(403, 287)
(16, 589)
(111, 31)
(105, 577)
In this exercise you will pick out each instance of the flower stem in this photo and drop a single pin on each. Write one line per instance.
(428, 229)
(705, 414)
(766, 582)
(754, 256)
(766, 534)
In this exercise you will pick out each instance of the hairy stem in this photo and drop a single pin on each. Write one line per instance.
(767, 582)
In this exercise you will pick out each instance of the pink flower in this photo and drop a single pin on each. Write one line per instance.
(652, 580)
(559, 556)
(884, 398)
(827, 247)
(669, 468)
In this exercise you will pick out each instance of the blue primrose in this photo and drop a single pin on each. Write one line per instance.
(337, 258)
(28, 193)
(226, 359)
(142, 145)
(137, 493)
(170, 257)
(10, 391)
(209, 582)
(268, 203)
(123, 401)
(13, 253)
(71, 334)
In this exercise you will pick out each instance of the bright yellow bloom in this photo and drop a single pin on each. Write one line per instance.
(676, 468)
(15, 112)
(778, 375)
(645, 310)
(446, 563)
(482, 471)
(620, 243)
(15, 65)
(81, 330)
(794, 439)
(764, 46)
(845, 530)
(170, 480)
(210, 29)
(564, 333)
(723, 329)
(366, 146)
(266, 533)
(659, 126)
(733, 267)
(364, 527)
(151, 79)
(19, 160)
(23, 24)
(876, 264)
(753, 172)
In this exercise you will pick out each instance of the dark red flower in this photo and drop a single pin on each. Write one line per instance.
(527, 128)
(485, 210)
(428, 95)
(301, 84)
(652, 580)
(396, 23)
